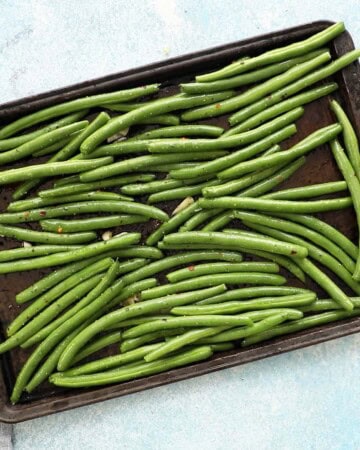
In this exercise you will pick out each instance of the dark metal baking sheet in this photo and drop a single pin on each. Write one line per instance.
(319, 168)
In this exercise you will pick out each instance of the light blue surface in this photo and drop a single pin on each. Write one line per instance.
(308, 399)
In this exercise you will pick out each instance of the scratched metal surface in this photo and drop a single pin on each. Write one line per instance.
(308, 399)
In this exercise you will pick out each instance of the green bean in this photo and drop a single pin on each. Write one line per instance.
(181, 192)
(174, 166)
(160, 335)
(85, 207)
(66, 180)
(125, 107)
(160, 106)
(216, 268)
(54, 147)
(186, 322)
(180, 131)
(49, 313)
(215, 279)
(257, 92)
(23, 234)
(63, 154)
(25, 187)
(98, 344)
(258, 189)
(222, 347)
(248, 137)
(219, 222)
(128, 312)
(327, 230)
(205, 333)
(57, 291)
(130, 291)
(128, 373)
(272, 181)
(69, 314)
(111, 362)
(314, 252)
(310, 191)
(86, 187)
(37, 202)
(248, 180)
(137, 287)
(328, 304)
(28, 148)
(139, 251)
(161, 119)
(315, 139)
(253, 292)
(165, 184)
(184, 247)
(311, 235)
(281, 107)
(314, 272)
(349, 174)
(65, 329)
(235, 334)
(125, 147)
(133, 343)
(323, 305)
(11, 143)
(248, 78)
(144, 162)
(180, 341)
(295, 87)
(45, 370)
(236, 240)
(349, 136)
(123, 240)
(94, 223)
(139, 320)
(298, 325)
(101, 119)
(75, 105)
(179, 259)
(50, 170)
(198, 219)
(152, 187)
(291, 313)
(276, 205)
(277, 55)
(287, 301)
(38, 250)
(221, 163)
(73, 146)
(52, 279)
(173, 223)
(282, 261)
(189, 247)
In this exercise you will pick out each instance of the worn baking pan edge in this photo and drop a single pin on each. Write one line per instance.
(22, 412)
(167, 69)
(155, 71)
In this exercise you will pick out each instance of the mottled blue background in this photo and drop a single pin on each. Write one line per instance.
(307, 399)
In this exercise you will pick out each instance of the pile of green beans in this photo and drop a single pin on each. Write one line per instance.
(163, 286)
